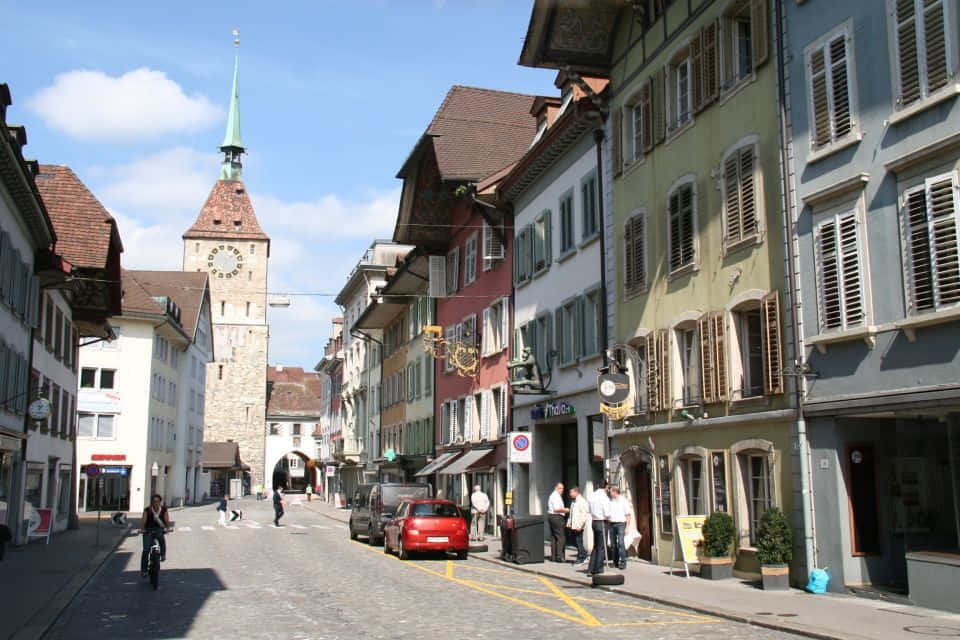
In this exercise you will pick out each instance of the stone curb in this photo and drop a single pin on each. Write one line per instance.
(698, 607)
(42, 621)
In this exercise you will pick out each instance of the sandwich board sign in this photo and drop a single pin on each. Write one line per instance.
(690, 540)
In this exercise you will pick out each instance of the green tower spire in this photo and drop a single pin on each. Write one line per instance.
(232, 147)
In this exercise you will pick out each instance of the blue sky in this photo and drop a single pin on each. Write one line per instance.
(333, 96)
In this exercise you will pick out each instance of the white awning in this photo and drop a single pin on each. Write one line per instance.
(463, 462)
(440, 461)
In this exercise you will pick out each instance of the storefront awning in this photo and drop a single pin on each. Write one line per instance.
(462, 463)
(489, 459)
(438, 463)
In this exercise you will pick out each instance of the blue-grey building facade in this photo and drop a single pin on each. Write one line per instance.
(872, 118)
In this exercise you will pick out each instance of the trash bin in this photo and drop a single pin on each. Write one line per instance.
(526, 540)
(506, 537)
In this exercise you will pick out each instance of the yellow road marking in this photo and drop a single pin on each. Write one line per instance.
(570, 602)
(651, 623)
(485, 570)
(449, 570)
(524, 603)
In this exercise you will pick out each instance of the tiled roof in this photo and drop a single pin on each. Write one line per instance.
(291, 390)
(83, 226)
(222, 455)
(186, 288)
(227, 213)
(476, 132)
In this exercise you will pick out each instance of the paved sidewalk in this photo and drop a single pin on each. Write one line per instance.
(828, 616)
(38, 581)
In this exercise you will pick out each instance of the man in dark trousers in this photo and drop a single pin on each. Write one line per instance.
(277, 506)
(600, 513)
(557, 517)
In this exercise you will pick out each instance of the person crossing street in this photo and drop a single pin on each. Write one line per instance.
(278, 503)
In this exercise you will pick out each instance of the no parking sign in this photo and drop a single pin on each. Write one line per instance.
(520, 447)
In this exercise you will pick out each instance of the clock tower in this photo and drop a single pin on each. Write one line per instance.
(227, 242)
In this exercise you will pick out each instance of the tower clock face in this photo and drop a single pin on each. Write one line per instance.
(225, 261)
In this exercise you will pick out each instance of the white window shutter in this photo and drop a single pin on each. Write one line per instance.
(467, 430)
(485, 336)
(492, 246)
(504, 322)
(943, 206)
(485, 398)
(503, 418)
(438, 277)
(454, 422)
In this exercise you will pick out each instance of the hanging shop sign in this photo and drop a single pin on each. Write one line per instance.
(520, 447)
(552, 410)
(613, 387)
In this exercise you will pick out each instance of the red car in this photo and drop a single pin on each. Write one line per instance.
(426, 525)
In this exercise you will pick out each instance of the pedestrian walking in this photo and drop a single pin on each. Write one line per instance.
(259, 490)
(479, 505)
(619, 520)
(278, 504)
(599, 513)
(222, 511)
(557, 517)
(577, 521)
(309, 492)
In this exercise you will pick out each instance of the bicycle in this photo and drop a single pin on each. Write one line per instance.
(153, 561)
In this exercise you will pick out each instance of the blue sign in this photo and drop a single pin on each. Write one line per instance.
(116, 471)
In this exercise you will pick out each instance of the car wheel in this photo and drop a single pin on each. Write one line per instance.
(371, 540)
(353, 534)
(386, 547)
(461, 555)
(402, 550)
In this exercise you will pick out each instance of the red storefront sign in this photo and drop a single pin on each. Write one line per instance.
(109, 456)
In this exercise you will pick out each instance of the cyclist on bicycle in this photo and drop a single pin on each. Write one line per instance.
(155, 522)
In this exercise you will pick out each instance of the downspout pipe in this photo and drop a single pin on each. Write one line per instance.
(798, 382)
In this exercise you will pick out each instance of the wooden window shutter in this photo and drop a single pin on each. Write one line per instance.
(646, 106)
(628, 283)
(707, 365)
(760, 30)
(748, 192)
(663, 368)
(773, 360)
(617, 142)
(943, 206)
(907, 56)
(710, 44)
(850, 270)
(935, 41)
(504, 323)
(731, 186)
(653, 379)
(825, 241)
(548, 237)
(659, 99)
(718, 327)
(819, 95)
(438, 276)
(842, 119)
(917, 243)
(504, 418)
(696, 71)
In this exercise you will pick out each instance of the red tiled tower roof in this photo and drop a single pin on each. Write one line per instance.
(227, 213)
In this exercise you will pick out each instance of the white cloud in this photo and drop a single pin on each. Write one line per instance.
(174, 180)
(151, 246)
(331, 215)
(143, 103)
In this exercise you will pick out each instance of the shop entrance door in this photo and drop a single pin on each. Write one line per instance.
(644, 506)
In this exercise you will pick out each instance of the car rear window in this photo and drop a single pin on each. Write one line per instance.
(438, 509)
(393, 496)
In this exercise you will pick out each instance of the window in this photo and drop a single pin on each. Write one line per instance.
(588, 193)
(427, 375)
(740, 199)
(840, 294)
(223, 308)
(453, 271)
(413, 318)
(736, 33)
(417, 369)
(107, 377)
(637, 126)
(755, 364)
(88, 378)
(682, 227)
(542, 242)
(48, 324)
(924, 48)
(711, 328)
(567, 242)
(831, 87)
(496, 327)
(58, 336)
(749, 333)
(98, 426)
(450, 334)
(635, 254)
(297, 429)
(758, 490)
(688, 344)
(470, 260)
(568, 332)
(663, 501)
(492, 247)
(498, 408)
(544, 342)
(679, 106)
(590, 319)
(523, 255)
(929, 221)
(253, 249)
(693, 485)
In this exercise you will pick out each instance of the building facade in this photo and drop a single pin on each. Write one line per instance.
(875, 158)
(294, 411)
(141, 399)
(331, 444)
(227, 242)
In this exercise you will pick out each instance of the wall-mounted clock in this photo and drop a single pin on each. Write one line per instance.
(225, 261)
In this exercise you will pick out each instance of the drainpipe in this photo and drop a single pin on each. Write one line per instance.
(798, 381)
(598, 136)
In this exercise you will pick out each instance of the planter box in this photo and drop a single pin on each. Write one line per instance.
(776, 577)
(716, 568)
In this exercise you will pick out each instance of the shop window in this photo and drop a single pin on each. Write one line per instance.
(693, 485)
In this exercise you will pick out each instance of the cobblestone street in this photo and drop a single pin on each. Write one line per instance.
(308, 580)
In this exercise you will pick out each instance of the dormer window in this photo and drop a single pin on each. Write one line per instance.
(541, 127)
(216, 221)
(236, 223)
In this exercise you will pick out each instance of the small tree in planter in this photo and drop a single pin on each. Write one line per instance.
(774, 549)
(718, 532)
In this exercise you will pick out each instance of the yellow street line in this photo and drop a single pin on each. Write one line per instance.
(524, 603)
(517, 589)
(652, 623)
(509, 572)
(570, 602)
(449, 570)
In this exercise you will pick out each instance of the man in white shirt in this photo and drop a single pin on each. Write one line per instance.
(600, 513)
(557, 517)
(619, 519)
(578, 520)
(479, 505)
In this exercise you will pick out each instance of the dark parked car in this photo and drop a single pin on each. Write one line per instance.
(375, 503)
(426, 525)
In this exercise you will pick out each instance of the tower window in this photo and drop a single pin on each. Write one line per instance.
(236, 223)
(253, 249)
(249, 275)
(196, 248)
(220, 372)
(248, 308)
(216, 222)
(223, 307)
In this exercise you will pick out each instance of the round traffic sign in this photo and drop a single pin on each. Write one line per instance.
(521, 443)
(92, 470)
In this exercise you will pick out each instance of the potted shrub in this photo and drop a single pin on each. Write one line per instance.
(774, 549)
(715, 561)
